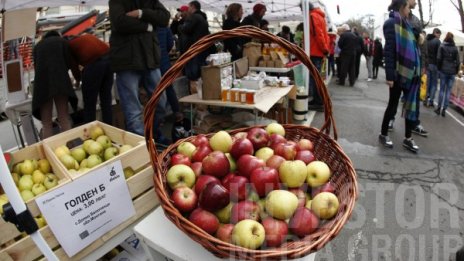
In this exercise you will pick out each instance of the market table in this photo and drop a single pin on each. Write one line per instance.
(161, 238)
(271, 96)
(20, 114)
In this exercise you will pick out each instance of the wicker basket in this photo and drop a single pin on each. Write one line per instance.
(326, 149)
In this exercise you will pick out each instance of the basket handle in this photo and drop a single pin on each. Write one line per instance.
(203, 44)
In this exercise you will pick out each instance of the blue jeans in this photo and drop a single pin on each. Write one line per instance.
(128, 83)
(446, 83)
(317, 61)
(432, 79)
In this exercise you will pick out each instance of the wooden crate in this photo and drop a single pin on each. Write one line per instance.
(117, 136)
(140, 188)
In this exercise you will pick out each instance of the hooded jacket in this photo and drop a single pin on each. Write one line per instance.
(433, 43)
(448, 58)
(194, 28)
(319, 39)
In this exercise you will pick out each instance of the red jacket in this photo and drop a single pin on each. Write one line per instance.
(319, 38)
(88, 48)
(332, 40)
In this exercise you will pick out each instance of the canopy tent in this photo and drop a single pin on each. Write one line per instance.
(458, 35)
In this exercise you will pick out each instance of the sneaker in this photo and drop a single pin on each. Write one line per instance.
(419, 130)
(430, 104)
(390, 125)
(369, 79)
(443, 113)
(385, 141)
(410, 145)
(437, 111)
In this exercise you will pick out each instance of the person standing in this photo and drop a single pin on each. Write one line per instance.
(369, 55)
(402, 67)
(433, 44)
(448, 65)
(286, 34)
(234, 45)
(97, 78)
(347, 44)
(254, 19)
(52, 85)
(378, 57)
(135, 57)
(359, 51)
(331, 59)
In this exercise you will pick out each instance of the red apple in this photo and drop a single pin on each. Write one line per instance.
(276, 231)
(200, 140)
(264, 180)
(241, 147)
(240, 135)
(178, 158)
(306, 156)
(300, 194)
(259, 137)
(286, 150)
(204, 220)
(327, 187)
(244, 210)
(184, 199)
(275, 161)
(237, 186)
(197, 168)
(305, 144)
(276, 139)
(224, 232)
(200, 153)
(216, 164)
(214, 197)
(247, 163)
(303, 222)
(204, 180)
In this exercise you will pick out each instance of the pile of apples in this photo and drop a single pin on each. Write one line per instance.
(33, 177)
(94, 151)
(255, 189)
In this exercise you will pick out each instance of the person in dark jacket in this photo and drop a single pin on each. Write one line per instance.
(286, 34)
(448, 65)
(177, 21)
(378, 56)
(359, 51)
(254, 19)
(402, 68)
(135, 57)
(433, 43)
(234, 45)
(52, 85)
(347, 43)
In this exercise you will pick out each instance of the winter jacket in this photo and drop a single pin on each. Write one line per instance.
(416, 25)
(360, 45)
(319, 39)
(253, 20)
(448, 58)
(347, 44)
(390, 48)
(233, 45)
(194, 28)
(368, 47)
(52, 60)
(132, 46)
(433, 43)
(378, 53)
(166, 43)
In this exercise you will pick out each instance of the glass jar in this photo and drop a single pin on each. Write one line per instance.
(235, 95)
(243, 95)
(225, 94)
(250, 97)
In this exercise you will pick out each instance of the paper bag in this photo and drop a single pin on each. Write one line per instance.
(253, 52)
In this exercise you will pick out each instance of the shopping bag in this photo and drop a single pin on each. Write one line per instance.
(423, 87)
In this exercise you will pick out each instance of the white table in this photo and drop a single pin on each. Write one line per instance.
(160, 237)
(271, 69)
(20, 115)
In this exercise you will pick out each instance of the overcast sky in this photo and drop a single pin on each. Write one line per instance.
(444, 11)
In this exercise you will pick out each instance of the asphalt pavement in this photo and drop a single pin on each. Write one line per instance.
(410, 205)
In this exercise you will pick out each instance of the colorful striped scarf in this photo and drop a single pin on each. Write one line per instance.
(407, 65)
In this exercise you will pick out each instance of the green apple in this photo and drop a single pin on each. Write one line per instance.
(44, 165)
(51, 180)
(62, 150)
(180, 175)
(275, 128)
(124, 148)
(40, 221)
(86, 144)
(17, 168)
(281, 204)
(35, 165)
(25, 183)
(3, 201)
(308, 203)
(78, 154)
(264, 153)
(73, 171)
(262, 208)
(96, 131)
(325, 205)
(93, 160)
(221, 141)
(82, 170)
(224, 214)
(128, 172)
(318, 173)
(38, 176)
(293, 173)
(186, 148)
(95, 148)
(38, 189)
(105, 141)
(248, 234)
(27, 167)
(27, 195)
(233, 164)
(68, 161)
(16, 177)
(110, 152)
(83, 164)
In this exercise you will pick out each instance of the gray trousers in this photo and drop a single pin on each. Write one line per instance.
(369, 65)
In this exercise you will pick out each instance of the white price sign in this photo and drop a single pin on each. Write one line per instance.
(82, 211)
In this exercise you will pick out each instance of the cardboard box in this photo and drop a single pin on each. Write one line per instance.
(270, 64)
(212, 77)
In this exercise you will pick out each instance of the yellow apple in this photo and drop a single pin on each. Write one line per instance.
(318, 173)
(128, 172)
(248, 234)
(264, 153)
(25, 183)
(275, 128)
(27, 167)
(221, 141)
(62, 150)
(44, 165)
(26, 195)
(124, 148)
(293, 173)
(325, 205)
(96, 131)
(38, 177)
(281, 204)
